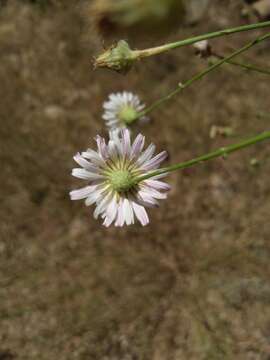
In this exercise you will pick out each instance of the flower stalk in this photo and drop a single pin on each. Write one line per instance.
(202, 74)
(222, 152)
(120, 57)
(139, 54)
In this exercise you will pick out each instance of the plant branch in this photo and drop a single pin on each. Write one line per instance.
(222, 152)
(202, 74)
(163, 48)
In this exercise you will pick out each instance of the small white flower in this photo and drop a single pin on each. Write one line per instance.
(122, 109)
(112, 173)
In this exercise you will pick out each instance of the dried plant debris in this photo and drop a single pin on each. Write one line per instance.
(152, 15)
(257, 8)
(262, 9)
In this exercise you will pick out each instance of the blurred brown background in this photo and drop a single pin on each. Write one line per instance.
(194, 284)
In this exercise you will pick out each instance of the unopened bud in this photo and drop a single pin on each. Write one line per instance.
(119, 58)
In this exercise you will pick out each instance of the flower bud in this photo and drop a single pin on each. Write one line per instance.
(119, 58)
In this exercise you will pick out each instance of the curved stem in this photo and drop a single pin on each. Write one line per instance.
(201, 75)
(222, 152)
(193, 40)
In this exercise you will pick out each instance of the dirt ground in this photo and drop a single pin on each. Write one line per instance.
(192, 285)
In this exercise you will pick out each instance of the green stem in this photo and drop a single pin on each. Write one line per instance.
(250, 67)
(193, 40)
(222, 152)
(202, 74)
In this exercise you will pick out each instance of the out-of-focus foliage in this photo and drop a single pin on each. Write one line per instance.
(42, 3)
(143, 15)
(131, 12)
(148, 14)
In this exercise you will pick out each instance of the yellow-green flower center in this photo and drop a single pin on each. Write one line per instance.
(121, 180)
(127, 114)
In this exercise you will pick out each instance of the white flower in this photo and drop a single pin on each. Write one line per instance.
(122, 109)
(112, 172)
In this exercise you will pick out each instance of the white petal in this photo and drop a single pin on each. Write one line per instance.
(114, 136)
(111, 212)
(110, 106)
(120, 220)
(146, 199)
(84, 163)
(152, 192)
(125, 96)
(112, 149)
(107, 221)
(86, 175)
(96, 196)
(81, 193)
(94, 157)
(109, 116)
(114, 124)
(146, 155)
(102, 148)
(160, 176)
(158, 185)
(128, 212)
(101, 206)
(137, 146)
(126, 142)
(155, 161)
(140, 213)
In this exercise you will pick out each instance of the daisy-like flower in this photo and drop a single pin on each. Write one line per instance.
(112, 172)
(122, 109)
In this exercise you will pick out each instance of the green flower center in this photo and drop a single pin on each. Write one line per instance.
(121, 180)
(127, 114)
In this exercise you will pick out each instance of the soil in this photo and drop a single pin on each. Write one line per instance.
(194, 284)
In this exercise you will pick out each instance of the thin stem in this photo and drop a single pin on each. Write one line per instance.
(222, 152)
(250, 67)
(202, 74)
(193, 40)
